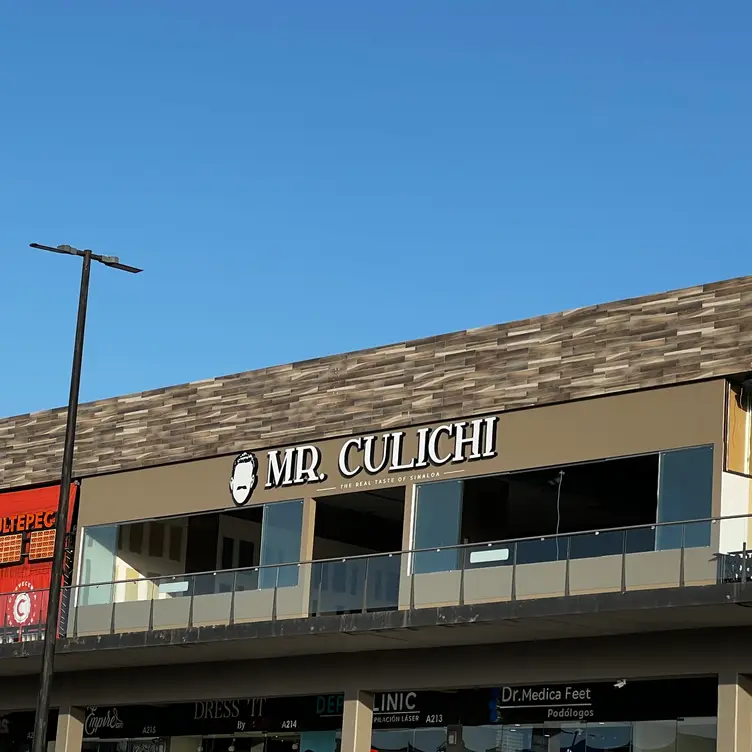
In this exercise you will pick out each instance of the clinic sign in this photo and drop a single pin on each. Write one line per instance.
(614, 701)
(398, 709)
(402, 455)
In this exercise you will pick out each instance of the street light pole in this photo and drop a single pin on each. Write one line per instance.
(66, 477)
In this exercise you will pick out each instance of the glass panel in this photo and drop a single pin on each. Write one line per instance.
(178, 586)
(600, 543)
(99, 550)
(247, 579)
(382, 582)
(438, 515)
(522, 738)
(318, 741)
(541, 549)
(391, 741)
(612, 737)
(482, 738)
(654, 736)
(480, 555)
(213, 582)
(94, 595)
(696, 735)
(567, 737)
(352, 585)
(281, 533)
(338, 587)
(641, 539)
(131, 590)
(697, 534)
(685, 492)
(429, 740)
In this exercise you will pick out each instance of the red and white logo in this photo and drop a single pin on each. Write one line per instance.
(22, 604)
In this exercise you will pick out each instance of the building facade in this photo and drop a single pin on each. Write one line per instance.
(526, 537)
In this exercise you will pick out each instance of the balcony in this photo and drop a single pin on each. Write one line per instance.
(647, 557)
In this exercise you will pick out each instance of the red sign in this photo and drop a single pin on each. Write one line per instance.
(28, 526)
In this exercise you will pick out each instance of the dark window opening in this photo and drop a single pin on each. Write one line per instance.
(176, 542)
(602, 508)
(156, 539)
(595, 496)
(368, 526)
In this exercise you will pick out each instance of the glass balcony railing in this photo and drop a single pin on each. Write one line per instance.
(693, 553)
(343, 586)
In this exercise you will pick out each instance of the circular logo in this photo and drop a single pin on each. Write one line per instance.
(22, 608)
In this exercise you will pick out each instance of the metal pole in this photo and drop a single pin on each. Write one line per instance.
(66, 476)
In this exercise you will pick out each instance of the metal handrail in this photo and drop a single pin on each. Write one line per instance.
(739, 571)
(458, 546)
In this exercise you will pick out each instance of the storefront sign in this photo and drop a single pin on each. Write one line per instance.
(507, 704)
(95, 722)
(398, 709)
(199, 718)
(28, 524)
(310, 713)
(393, 453)
(17, 729)
(604, 701)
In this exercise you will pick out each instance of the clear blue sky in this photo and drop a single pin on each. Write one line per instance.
(302, 178)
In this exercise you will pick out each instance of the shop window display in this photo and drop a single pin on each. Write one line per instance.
(409, 740)
(684, 735)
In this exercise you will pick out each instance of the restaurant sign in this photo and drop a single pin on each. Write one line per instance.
(395, 453)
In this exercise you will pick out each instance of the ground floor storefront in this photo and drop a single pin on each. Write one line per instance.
(675, 715)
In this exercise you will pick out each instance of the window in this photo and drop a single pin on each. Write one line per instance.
(438, 513)
(649, 736)
(228, 553)
(609, 736)
(281, 535)
(136, 537)
(99, 548)
(588, 510)
(156, 539)
(685, 492)
(391, 741)
(246, 551)
(176, 543)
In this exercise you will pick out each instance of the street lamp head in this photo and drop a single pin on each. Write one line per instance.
(112, 261)
(67, 249)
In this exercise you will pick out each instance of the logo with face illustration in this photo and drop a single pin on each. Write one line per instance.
(244, 478)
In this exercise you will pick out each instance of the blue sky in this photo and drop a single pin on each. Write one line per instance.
(302, 178)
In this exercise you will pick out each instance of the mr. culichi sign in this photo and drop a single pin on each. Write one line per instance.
(400, 456)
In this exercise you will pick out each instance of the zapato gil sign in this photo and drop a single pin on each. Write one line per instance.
(393, 453)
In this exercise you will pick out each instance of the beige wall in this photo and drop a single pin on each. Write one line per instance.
(620, 425)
